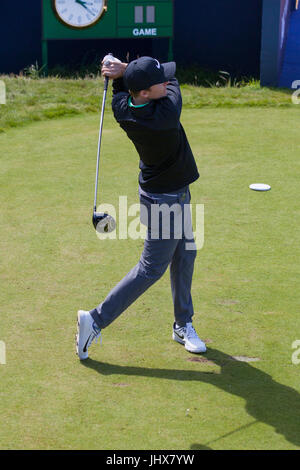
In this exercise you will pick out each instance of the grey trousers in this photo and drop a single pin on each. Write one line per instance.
(169, 234)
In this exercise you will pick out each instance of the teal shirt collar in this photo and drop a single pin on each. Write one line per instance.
(131, 105)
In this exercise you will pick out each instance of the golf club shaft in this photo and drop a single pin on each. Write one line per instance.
(108, 59)
(99, 140)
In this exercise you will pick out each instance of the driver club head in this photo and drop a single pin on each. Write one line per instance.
(103, 222)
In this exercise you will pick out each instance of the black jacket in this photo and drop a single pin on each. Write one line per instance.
(166, 159)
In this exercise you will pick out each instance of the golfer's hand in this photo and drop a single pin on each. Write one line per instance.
(114, 69)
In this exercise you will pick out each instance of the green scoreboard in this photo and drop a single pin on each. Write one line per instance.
(99, 19)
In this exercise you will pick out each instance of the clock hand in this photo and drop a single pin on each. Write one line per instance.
(83, 4)
(90, 11)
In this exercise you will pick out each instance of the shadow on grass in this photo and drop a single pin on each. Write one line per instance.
(266, 400)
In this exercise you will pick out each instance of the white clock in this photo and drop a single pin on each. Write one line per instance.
(79, 13)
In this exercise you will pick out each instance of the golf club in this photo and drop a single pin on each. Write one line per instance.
(102, 221)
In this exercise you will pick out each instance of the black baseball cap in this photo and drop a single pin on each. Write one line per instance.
(144, 72)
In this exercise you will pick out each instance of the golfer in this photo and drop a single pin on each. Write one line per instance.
(147, 105)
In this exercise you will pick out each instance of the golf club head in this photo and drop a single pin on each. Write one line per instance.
(103, 222)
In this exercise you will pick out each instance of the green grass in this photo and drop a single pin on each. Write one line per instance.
(139, 389)
(30, 100)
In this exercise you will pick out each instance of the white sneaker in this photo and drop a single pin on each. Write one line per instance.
(187, 335)
(87, 332)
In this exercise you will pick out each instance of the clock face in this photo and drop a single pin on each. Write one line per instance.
(79, 13)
